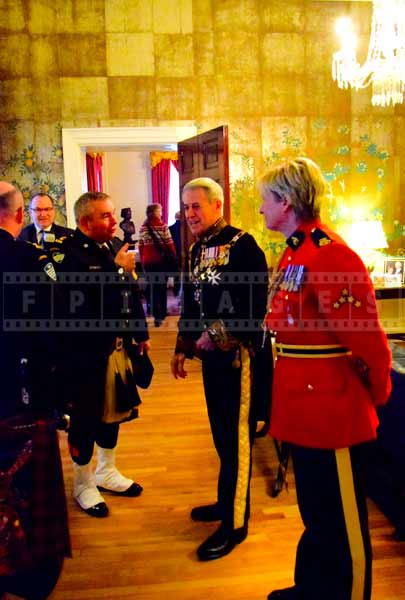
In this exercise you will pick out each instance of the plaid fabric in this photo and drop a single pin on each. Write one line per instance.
(50, 533)
(39, 486)
(14, 554)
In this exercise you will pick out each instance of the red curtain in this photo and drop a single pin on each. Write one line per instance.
(94, 167)
(161, 184)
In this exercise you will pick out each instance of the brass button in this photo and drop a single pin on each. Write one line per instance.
(310, 387)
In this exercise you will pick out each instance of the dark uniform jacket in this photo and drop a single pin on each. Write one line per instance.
(29, 233)
(21, 302)
(228, 285)
(333, 360)
(39, 484)
(227, 282)
(99, 304)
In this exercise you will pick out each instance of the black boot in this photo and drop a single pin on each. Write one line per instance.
(207, 513)
(290, 593)
(222, 542)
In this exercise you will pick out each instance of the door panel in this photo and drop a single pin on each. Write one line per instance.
(205, 155)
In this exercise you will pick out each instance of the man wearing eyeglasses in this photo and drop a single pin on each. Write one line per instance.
(43, 230)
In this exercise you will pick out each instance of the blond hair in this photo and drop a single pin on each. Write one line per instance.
(301, 180)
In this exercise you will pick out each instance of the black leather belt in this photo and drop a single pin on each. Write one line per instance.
(313, 351)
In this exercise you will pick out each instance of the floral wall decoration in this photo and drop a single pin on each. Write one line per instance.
(245, 209)
(34, 167)
(361, 174)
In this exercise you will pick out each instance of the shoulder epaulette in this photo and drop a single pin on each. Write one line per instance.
(295, 240)
(320, 238)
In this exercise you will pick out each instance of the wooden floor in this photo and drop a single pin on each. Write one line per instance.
(145, 549)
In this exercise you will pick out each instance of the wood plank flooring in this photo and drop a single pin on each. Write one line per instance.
(146, 548)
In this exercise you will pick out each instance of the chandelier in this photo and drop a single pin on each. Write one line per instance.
(384, 67)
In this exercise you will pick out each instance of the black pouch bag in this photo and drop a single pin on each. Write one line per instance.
(142, 367)
(127, 396)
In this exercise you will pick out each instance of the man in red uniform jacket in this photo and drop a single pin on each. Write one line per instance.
(332, 369)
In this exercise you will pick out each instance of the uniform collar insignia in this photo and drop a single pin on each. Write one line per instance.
(296, 239)
(320, 238)
(213, 231)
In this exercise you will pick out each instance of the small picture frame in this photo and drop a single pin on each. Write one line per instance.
(395, 266)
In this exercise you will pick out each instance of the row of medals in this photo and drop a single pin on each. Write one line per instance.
(287, 280)
(206, 266)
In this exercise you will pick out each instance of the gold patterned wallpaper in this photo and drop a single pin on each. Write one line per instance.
(260, 66)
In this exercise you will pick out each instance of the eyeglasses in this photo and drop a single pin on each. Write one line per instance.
(42, 210)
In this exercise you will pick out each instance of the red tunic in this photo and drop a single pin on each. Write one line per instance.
(322, 296)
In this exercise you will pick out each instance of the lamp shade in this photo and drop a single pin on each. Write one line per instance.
(366, 235)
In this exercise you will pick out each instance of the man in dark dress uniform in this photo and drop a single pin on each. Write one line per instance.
(26, 430)
(98, 314)
(43, 230)
(332, 370)
(224, 303)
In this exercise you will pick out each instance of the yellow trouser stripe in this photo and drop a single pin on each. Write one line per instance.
(288, 354)
(351, 514)
(310, 346)
(243, 442)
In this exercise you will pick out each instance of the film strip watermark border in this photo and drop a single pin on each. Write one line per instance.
(115, 326)
(241, 326)
(96, 277)
(239, 277)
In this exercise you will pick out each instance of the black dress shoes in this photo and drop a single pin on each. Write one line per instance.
(99, 510)
(135, 489)
(290, 593)
(207, 513)
(222, 542)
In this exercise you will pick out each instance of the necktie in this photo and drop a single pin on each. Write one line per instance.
(41, 237)
(107, 254)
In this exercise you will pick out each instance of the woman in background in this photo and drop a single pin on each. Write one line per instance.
(158, 257)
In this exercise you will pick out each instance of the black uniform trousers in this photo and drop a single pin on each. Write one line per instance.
(86, 401)
(81, 444)
(232, 435)
(157, 291)
(333, 558)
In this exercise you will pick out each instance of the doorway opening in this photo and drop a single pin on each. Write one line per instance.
(142, 139)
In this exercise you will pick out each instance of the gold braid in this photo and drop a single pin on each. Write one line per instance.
(243, 441)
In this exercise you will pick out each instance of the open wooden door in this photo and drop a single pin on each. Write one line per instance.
(205, 155)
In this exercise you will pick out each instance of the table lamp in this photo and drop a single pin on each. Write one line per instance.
(367, 238)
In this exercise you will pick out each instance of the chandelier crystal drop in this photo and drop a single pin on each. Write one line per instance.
(384, 67)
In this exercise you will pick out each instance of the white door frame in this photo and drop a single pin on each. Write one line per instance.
(75, 142)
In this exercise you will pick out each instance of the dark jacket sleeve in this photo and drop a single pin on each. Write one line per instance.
(189, 325)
